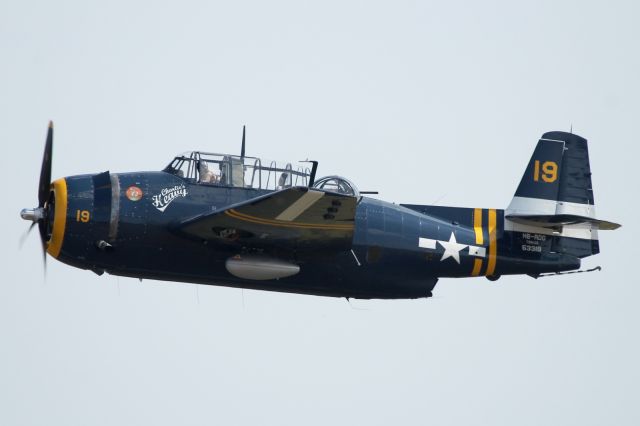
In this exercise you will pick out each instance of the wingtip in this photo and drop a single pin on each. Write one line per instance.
(51, 124)
(609, 226)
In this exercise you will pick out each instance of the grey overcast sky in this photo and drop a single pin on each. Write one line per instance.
(423, 101)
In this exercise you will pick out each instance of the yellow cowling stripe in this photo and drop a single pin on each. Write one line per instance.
(54, 245)
(493, 244)
(477, 227)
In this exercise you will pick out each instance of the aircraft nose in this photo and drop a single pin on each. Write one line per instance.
(50, 217)
(34, 215)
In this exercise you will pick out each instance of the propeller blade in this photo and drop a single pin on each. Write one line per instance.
(42, 227)
(243, 138)
(26, 233)
(44, 255)
(45, 170)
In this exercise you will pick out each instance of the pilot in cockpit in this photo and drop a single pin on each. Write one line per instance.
(207, 175)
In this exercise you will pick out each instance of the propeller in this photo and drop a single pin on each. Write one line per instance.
(40, 214)
(45, 169)
(26, 233)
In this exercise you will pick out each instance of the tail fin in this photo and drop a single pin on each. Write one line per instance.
(555, 196)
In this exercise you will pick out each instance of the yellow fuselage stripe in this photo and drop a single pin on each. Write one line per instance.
(477, 266)
(54, 245)
(262, 221)
(477, 227)
(493, 244)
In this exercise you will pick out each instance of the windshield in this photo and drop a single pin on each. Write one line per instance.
(239, 172)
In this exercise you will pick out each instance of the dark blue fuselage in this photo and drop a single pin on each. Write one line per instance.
(130, 231)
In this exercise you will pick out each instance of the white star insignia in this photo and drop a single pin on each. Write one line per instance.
(452, 248)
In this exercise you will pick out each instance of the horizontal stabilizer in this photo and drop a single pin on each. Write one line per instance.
(560, 220)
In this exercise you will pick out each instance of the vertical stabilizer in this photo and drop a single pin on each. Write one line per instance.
(555, 196)
(557, 179)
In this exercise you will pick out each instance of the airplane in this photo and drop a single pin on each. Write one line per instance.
(245, 222)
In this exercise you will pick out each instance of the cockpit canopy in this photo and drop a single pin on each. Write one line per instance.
(337, 184)
(239, 172)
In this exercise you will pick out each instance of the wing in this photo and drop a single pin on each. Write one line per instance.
(297, 218)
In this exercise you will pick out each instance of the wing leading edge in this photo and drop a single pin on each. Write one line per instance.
(297, 218)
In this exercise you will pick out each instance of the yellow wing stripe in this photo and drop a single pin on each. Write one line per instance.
(285, 224)
(493, 243)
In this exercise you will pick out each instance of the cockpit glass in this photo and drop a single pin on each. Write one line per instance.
(337, 184)
(178, 167)
(239, 172)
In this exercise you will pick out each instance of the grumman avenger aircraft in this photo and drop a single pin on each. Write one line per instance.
(246, 222)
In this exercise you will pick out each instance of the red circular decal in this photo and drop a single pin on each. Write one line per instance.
(134, 193)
